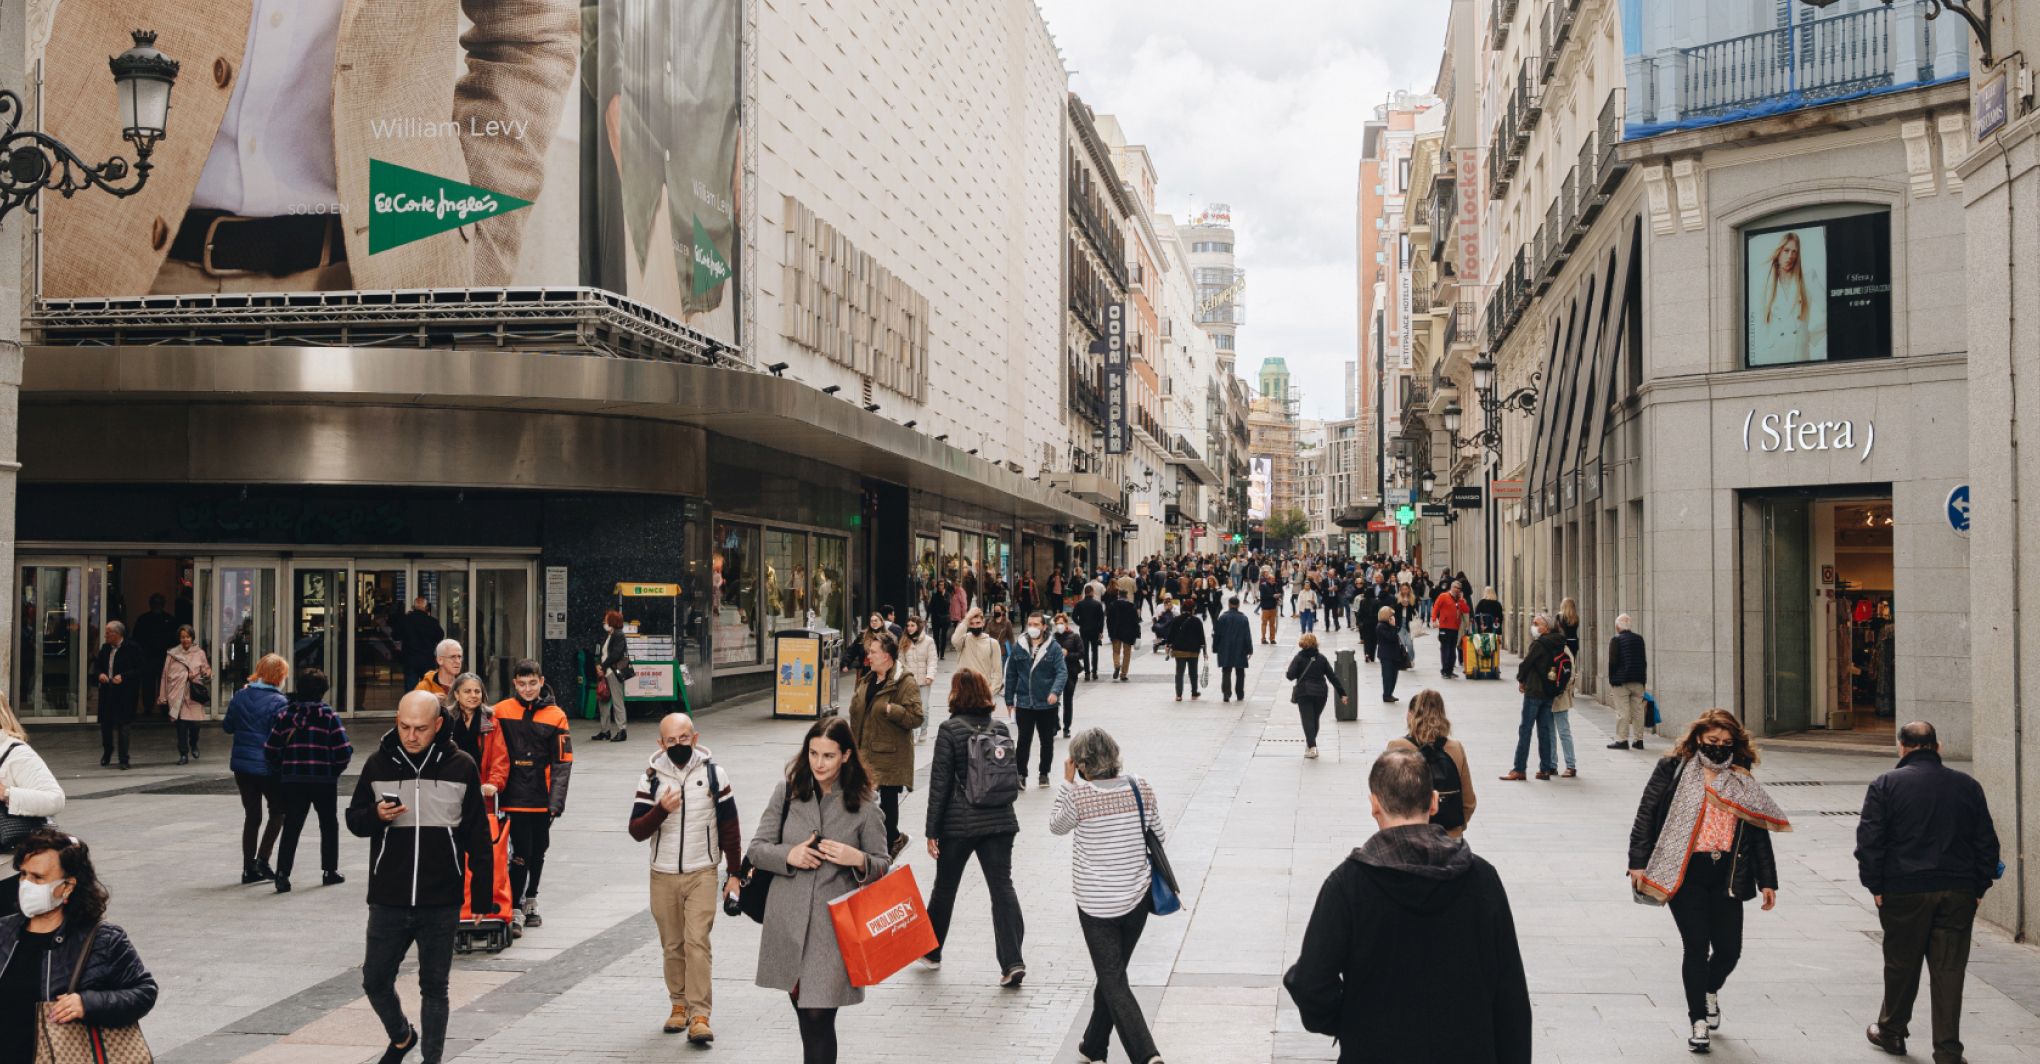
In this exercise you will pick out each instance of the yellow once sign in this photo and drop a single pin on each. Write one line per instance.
(630, 590)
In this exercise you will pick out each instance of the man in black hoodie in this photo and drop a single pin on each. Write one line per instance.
(419, 803)
(1410, 956)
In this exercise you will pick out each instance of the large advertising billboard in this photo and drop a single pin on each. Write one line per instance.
(1260, 487)
(374, 146)
(1818, 291)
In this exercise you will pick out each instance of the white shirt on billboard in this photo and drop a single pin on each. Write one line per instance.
(274, 151)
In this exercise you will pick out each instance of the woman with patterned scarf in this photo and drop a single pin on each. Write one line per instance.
(1702, 846)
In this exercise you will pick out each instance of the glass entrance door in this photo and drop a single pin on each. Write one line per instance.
(49, 662)
(318, 625)
(1788, 615)
(245, 619)
(502, 625)
(375, 667)
(445, 587)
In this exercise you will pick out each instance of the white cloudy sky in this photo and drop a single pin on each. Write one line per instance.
(1260, 106)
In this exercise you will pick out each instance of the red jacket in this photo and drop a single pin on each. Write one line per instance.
(1446, 611)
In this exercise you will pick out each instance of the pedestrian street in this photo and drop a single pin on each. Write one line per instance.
(256, 977)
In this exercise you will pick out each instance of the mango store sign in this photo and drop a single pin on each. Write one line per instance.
(1793, 431)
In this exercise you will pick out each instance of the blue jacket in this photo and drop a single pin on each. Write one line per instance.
(250, 717)
(1030, 682)
(1232, 639)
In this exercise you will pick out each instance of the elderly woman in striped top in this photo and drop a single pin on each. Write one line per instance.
(1110, 876)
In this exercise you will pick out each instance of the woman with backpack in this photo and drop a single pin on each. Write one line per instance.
(1430, 734)
(971, 786)
(1312, 673)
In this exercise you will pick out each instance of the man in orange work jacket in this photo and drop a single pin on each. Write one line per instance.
(533, 731)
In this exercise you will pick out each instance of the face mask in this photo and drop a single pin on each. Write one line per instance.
(1034, 631)
(1717, 754)
(680, 753)
(978, 628)
(1062, 627)
(38, 898)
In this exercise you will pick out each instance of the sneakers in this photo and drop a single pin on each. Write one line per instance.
(1699, 1042)
(699, 1033)
(332, 879)
(531, 917)
(1041, 780)
(398, 1050)
(1011, 980)
(1310, 752)
(932, 964)
(516, 923)
(1713, 1012)
(676, 1021)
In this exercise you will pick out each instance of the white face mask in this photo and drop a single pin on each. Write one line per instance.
(38, 898)
(1034, 631)
(1062, 627)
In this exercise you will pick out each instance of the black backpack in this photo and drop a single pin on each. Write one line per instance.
(1445, 780)
(991, 776)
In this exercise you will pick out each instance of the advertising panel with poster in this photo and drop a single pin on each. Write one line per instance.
(1818, 291)
(376, 145)
(1260, 487)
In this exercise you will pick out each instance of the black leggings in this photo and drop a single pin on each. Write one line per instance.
(1710, 928)
(817, 1033)
(1310, 709)
(256, 793)
(1069, 700)
(889, 804)
(530, 835)
(187, 738)
(1032, 722)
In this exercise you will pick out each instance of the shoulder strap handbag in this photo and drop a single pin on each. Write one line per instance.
(757, 888)
(63, 1043)
(14, 828)
(1163, 894)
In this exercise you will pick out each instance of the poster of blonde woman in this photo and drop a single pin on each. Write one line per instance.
(1788, 296)
(1818, 291)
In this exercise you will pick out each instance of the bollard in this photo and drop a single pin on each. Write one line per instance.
(1346, 706)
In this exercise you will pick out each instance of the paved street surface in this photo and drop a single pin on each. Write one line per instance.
(251, 976)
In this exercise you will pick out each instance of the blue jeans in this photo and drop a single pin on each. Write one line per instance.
(1536, 711)
(1307, 620)
(1562, 723)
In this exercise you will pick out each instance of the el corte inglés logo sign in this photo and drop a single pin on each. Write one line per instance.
(406, 205)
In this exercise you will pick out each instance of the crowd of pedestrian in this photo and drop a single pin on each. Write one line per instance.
(461, 787)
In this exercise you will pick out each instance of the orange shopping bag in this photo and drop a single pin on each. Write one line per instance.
(882, 927)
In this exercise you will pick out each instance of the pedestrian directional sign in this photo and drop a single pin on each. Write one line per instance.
(1958, 509)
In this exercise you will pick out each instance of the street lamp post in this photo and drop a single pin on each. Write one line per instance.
(1489, 437)
(31, 160)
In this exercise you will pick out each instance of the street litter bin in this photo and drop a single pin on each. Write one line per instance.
(1347, 706)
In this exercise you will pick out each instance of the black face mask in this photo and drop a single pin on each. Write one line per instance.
(1717, 753)
(977, 629)
(680, 753)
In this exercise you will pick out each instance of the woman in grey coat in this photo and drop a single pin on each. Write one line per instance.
(822, 834)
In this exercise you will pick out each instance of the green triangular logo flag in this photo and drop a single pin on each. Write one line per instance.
(710, 268)
(406, 205)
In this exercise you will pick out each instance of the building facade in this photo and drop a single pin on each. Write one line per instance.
(679, 404)
(1099, 261)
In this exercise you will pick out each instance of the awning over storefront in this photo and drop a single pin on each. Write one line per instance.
(774, 412)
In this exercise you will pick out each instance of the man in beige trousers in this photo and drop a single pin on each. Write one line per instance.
(684, 807)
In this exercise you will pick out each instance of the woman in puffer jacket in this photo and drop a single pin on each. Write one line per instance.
(63, 906)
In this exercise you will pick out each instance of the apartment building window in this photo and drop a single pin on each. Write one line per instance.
(1817, 287)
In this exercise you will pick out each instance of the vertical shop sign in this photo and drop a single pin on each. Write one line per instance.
(1117, 427)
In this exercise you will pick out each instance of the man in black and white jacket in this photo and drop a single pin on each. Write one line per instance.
(684, 806)
(420, 846)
